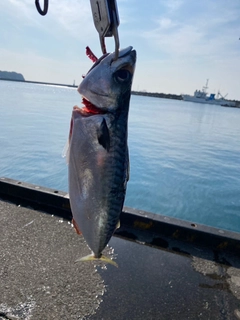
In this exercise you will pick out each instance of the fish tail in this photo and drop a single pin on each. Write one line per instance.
(103, 258)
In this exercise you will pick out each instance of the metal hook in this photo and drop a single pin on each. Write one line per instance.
(102, 43)
(45, 7)
(106, 21)
(116, 37)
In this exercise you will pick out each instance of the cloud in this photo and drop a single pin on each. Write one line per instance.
(173, 5)
(20, 11)
(166, 23)
(35, 67)
(74, 16)
(199, 34)
(174, 39)
(71, 16)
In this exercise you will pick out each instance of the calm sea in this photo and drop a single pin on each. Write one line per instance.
(185, 157)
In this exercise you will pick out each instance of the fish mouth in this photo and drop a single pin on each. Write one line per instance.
(88, 109)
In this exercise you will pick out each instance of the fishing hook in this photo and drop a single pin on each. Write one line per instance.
(45, 7)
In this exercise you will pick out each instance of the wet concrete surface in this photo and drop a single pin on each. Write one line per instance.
(155, 284)
(38, 275)
(39, 279)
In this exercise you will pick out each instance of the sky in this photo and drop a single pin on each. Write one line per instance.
(179, 43)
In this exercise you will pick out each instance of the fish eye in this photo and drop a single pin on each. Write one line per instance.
(122, 75)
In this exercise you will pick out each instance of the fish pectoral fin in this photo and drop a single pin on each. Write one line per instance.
(118, 225)
(65, 152)
(76, 227)
(91, 257)
(103, 135)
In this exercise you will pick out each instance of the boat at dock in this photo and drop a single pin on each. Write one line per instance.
(201, 96)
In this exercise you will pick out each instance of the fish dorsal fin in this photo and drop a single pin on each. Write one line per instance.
(103, 135)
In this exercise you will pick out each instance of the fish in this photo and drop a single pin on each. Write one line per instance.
(98, 156)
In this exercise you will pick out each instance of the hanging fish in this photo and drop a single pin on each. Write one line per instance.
(98, 150)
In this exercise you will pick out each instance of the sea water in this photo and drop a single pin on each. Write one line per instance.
(184, 157)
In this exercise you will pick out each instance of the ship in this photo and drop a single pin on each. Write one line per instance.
(201, 96)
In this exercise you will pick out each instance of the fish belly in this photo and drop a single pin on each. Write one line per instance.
(97, 180)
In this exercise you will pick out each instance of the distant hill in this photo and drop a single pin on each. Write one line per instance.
(11, 76)
(158, 95)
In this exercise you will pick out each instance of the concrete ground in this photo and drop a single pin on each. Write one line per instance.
(39, 279)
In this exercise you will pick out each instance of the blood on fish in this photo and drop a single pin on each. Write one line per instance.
(91, 108)
(71, 129)
(76, 227)
(91, 55)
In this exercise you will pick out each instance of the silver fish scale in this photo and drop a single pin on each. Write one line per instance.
(98, 154)
(118, 173)
(100, 207)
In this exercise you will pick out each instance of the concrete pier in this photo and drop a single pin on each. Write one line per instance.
(167, 268)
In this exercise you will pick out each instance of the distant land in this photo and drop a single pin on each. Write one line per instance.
(14, 76)
(158, 95)
(7, 75)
